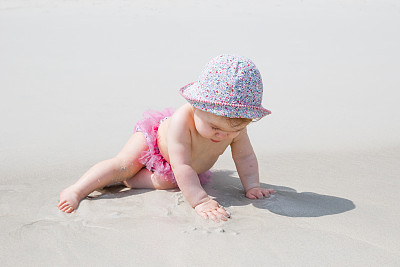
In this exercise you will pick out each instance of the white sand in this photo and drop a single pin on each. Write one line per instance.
(75, 77)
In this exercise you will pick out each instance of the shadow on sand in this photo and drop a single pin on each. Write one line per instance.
(228, 191)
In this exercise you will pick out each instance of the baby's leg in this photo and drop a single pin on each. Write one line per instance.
(147, 179)
(125, 165)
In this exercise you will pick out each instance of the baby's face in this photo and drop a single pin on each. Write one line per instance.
(215, 128)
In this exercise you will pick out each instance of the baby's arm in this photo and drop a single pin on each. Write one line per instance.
(179, 150)
(247, 167)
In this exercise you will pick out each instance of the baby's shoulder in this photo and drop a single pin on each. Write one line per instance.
(184, 114)
(182, 118)
(185, 109)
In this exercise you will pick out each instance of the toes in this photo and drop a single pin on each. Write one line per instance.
(61, 203)
(65, 207)
(69, 210)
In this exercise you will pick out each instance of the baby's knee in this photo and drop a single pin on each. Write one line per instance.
(161, 182)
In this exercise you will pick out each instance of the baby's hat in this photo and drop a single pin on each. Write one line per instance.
(228, 86)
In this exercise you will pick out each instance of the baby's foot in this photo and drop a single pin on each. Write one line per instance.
(69, 200)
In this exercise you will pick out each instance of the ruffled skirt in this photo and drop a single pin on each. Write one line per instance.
(152, 158)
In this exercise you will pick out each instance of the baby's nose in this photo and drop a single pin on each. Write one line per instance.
(221, 135)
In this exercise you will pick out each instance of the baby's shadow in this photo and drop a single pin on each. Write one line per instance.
(116, 191)
(228, 191)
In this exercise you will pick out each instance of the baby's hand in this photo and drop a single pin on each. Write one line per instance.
(211, 209)
(258, 192)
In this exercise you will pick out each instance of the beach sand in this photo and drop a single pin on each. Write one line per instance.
(75, 77)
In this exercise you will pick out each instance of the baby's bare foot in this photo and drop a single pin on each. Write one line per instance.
(69, 200)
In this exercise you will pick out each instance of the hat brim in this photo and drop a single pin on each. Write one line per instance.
(221, 108)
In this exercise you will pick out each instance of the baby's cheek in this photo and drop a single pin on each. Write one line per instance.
(207, 134)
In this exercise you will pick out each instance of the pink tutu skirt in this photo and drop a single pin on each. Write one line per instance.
(152, 158)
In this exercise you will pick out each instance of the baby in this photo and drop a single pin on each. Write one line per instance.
(176, 149)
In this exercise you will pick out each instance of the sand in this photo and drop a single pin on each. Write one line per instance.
(75, 77)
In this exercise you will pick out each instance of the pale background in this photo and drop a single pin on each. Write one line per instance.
(75, 76)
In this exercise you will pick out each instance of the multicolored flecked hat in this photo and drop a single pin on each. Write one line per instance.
(228, 86)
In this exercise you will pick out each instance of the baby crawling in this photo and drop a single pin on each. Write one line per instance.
(176, 149)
